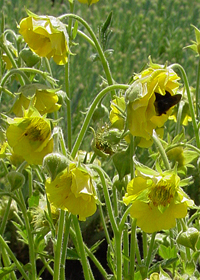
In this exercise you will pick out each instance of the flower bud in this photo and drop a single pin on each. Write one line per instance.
(100, 112)
(29, 57)
(54, 164)
(15, 179)
(188, 238)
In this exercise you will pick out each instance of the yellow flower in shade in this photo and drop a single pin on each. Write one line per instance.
(37, 95)
(157, 199)
(73, 190)
(149, 101)
(46, 36)
(89, 2)
(117, 113)
(30, 137)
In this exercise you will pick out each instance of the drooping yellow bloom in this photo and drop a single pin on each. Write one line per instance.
(89, 2)
(150, 99)
(37, 95)
(46, 36)
(30, 137)
(73, 190)
(157, 200)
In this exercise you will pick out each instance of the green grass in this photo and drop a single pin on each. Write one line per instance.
(160, 28)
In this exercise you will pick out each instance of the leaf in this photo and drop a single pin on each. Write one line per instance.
(75, 29)
(6, 270)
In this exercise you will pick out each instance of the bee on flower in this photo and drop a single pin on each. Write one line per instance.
(150, 99)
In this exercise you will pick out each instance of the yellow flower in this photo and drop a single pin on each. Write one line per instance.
(46, 36)
(30, 137)
(157, 200)
(150, 99)
(73, 191)
(38, 95)
(89, 2)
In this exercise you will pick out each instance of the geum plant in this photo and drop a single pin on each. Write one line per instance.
(131, 178)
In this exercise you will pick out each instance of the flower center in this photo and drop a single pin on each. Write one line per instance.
(162, 193)
(37, 130)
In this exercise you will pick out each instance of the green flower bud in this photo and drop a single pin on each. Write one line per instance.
(188, 238)
(135, 91)
(15, 179)
(100, 112)
(29, 57)
(54, 164)
(112, 136)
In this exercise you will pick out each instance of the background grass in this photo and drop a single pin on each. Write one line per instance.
(160, 28)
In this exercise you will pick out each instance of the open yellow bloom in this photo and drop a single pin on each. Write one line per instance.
(30, 137)
(38, 95)
(73, 190)
(157, 200)
(46, 36)
(150, 99)
(89, 2)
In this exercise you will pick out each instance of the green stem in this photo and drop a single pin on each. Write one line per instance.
(197, 90)
(133, 249)
(11, 72)
(58, 246)
(105, 227)
(13, 258)
(118, 248)
(32, 254)
(90, 113)
(68, 102)
(149, 255)
(123, 219)
(97, 45)
(65, 242)
(179, 118)
(7, 92)
(191, 106)
(107, 199)
(46, 264)
(126, 252)
(7, 262)
(5, 216)
(83, 257)
(145, 245)
(14, 64)
(161, 150)
(115, 201)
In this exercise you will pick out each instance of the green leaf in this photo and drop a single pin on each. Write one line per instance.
(167, 252)
(6, 270)
(75, 29)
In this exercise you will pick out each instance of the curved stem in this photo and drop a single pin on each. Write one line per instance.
(97, 45)
(118, 248)
(90, 113)
(11, 72)
(191, 106)
(161, 150)
(58, 246)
